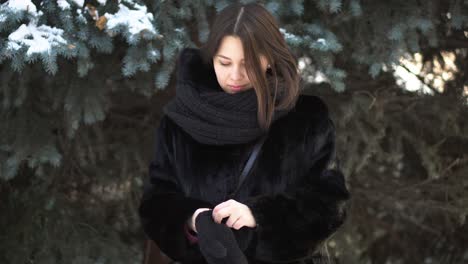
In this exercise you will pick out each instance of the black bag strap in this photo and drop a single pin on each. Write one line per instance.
(250, 162)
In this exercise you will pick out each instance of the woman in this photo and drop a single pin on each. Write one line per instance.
(241, 87)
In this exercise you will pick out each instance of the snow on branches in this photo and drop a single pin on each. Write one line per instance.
(37, 39)
(69, 28)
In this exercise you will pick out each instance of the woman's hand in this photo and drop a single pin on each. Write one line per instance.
(239, 214)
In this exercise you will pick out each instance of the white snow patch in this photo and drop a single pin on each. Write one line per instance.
(39, 39)
(80, 16)
(79, 2)
(22, 5)
(13, 46)
(322, 41)
(102, 2)
(136, 20)
(2, 18)
(288, 35)
(63, 4)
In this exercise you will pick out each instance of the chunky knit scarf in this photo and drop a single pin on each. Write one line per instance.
(206, 112)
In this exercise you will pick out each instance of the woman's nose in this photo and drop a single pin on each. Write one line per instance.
(236, 74)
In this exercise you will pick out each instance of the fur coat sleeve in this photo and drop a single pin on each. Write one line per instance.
(292, 223)
(164, 209)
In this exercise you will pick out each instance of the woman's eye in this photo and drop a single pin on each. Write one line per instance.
(224, 64)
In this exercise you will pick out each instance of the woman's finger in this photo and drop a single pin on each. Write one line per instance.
(239, 223)
(224, 204)
(221, 213)
(232, 220)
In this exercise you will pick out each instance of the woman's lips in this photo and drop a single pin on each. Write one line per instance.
(236, 88)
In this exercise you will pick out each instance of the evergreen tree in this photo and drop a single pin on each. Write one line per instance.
(82, 84)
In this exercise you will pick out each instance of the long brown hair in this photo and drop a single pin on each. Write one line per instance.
(260, 35)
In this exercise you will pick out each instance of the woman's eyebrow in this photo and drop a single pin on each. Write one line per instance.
(222, 56)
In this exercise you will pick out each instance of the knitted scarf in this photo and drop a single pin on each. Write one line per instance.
(206, 112)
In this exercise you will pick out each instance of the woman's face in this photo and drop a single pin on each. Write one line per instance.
(230, 68)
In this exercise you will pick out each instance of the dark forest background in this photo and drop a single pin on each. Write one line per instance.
(82, 85)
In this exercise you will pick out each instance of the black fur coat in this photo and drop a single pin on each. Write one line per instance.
(296, 201)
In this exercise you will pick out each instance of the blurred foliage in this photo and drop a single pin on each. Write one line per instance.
(77, 123)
